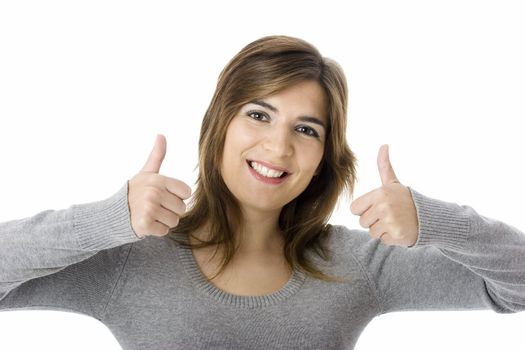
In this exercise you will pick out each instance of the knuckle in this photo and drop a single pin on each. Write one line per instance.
(385, 208)
(389, 221)
(382, 195)
(142, 224)
(381, 209)
(149, 209)
(153, 193)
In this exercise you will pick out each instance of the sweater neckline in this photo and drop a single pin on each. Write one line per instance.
(199, 280)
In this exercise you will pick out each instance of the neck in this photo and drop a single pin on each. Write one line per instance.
(260, 233)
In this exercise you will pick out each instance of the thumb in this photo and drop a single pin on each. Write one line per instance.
(385, 167)
(156, 156)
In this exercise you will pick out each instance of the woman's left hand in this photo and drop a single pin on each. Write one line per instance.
(388, 211)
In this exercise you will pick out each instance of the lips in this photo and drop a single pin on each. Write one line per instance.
(266, 179)
(269, 166)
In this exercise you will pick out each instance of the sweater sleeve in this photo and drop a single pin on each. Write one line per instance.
(67, 259)
(461, 261)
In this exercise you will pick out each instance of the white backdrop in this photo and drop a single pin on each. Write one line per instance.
(86, 86)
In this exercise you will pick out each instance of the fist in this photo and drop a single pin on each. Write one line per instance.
(156, 201)
(389, 211)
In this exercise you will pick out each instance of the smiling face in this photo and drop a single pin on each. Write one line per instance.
(274, 146)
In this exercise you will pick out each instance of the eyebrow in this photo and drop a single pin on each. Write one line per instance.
(304, 118)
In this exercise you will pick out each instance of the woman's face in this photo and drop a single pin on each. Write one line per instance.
(274, 146)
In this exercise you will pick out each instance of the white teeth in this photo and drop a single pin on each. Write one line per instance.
(264, 171)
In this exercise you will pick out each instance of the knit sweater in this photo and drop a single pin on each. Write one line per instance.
(151, 294)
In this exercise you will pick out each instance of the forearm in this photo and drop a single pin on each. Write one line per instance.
(52, 240)
(491, 249)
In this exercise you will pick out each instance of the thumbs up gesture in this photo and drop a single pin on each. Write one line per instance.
(389, 211)
(156, 201)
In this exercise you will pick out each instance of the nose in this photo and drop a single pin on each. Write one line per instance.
(278, 142)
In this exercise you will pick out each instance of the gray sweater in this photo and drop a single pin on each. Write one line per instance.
(151, 294)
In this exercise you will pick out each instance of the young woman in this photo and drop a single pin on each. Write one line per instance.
(253, 263)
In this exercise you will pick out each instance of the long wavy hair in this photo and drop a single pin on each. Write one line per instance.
(261, 69)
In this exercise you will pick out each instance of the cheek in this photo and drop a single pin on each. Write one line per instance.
(315, 159)
(237, 140)
(238, 137)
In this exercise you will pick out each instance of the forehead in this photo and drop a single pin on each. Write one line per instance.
(303, 98)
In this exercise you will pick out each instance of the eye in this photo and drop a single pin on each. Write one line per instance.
(257, 115)
(308, 131)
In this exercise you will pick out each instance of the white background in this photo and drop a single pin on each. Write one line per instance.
(86, 86)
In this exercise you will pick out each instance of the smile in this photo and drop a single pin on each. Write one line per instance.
(265, 174)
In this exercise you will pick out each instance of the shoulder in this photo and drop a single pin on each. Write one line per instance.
(154, 247)
(348, 250)
(154, 262)
(343, 241)
(356, 248)
(358, 243)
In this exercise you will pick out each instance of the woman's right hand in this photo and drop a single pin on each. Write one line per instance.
(156, 201)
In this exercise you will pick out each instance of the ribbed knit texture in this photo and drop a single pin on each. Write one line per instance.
(200, 282)
(440, 225)
(105, 222)
(151, 294)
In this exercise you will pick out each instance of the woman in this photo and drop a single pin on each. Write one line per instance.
(253, 264)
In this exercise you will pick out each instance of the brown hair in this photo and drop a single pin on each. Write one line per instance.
(262, 68)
